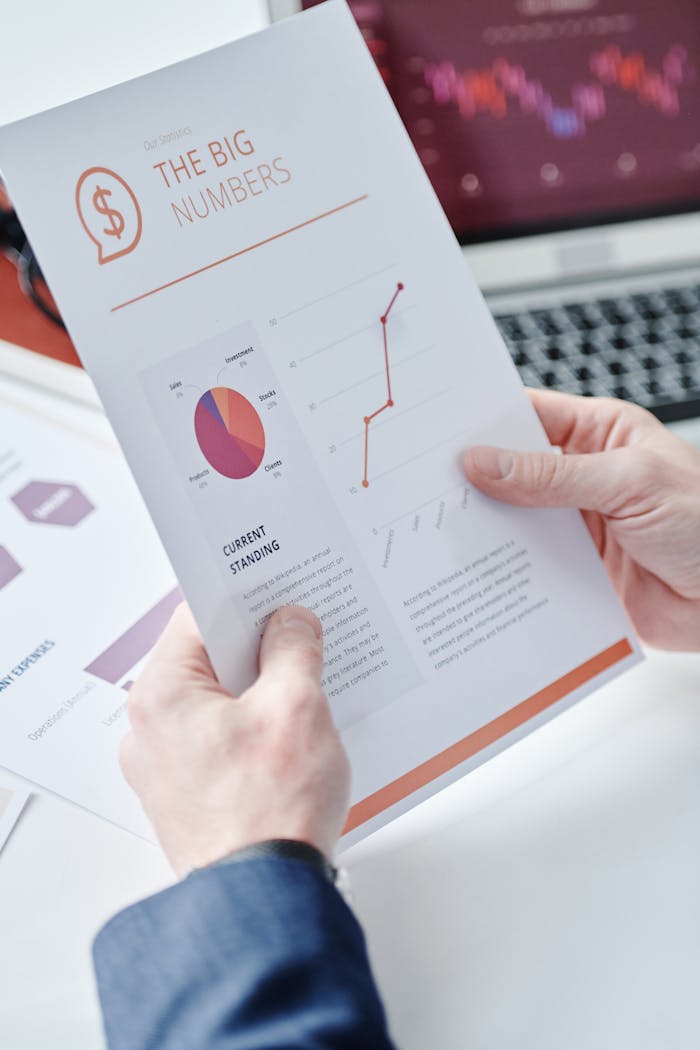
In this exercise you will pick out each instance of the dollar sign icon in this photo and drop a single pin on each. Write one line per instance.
(113, 216)
(109, 213)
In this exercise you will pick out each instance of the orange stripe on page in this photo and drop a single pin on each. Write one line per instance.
(242, 251)
(454, 755)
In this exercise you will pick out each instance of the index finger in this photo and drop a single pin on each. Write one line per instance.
(587, 424)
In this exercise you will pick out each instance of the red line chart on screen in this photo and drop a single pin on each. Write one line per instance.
(503, 86)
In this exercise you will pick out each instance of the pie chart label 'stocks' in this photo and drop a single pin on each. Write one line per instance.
(229, 432)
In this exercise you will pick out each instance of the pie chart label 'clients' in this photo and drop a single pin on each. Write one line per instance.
(229, 432)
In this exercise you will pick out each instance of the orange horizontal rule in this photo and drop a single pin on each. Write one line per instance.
(242, 251)
(482, 738)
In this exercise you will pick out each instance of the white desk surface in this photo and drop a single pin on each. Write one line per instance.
(548, 900)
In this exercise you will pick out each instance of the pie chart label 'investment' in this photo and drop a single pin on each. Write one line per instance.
(229, 432)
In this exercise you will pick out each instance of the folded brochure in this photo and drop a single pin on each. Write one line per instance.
(292, 352)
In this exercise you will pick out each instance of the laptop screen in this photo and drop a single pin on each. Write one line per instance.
(535, 115)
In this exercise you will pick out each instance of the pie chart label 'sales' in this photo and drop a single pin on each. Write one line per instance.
(229, 432)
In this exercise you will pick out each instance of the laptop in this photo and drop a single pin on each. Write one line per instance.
(563, 140)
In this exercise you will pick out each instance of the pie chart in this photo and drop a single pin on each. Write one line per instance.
(229, 432)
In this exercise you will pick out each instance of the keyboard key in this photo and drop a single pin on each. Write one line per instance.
(652, 336)
(679, 302)
(588, 348)
(600, 388)
(511, 326)
(648, 307)
(529, 376)
(545, 322)
(535, 350)
(615, 311)
(579, 318)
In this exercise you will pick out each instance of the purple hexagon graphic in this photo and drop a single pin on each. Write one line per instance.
(9, 568)
(52, 503)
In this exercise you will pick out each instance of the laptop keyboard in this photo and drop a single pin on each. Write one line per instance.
(641, 347)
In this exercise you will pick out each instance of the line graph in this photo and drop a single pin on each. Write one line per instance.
(389, 403)
(494, 89)
(363, 359)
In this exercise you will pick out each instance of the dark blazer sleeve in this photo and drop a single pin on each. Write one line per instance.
(259, 954)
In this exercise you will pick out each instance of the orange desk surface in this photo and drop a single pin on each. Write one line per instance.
(23, 324)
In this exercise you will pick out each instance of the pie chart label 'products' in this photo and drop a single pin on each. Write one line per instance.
(229, 432)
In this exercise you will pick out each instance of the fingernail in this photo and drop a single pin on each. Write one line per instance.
(494, 463)
(298, 623)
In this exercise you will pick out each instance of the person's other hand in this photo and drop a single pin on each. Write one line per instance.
(214, 772)
(638, 486)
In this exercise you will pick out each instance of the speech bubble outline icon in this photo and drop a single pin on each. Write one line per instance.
(109, 185)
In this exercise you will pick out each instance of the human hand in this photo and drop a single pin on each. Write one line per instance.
(638, 486)
(214, 772)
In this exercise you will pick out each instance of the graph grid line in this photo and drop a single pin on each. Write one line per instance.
(384, 320)
(336, 291)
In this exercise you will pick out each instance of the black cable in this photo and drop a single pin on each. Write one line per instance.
(30, 277)
(14, 244)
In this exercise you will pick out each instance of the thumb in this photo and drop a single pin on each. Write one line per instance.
(599, 481)
(292, 646)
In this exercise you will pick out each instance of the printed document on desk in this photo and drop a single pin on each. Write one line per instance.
(85, 590)
(258, 276)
